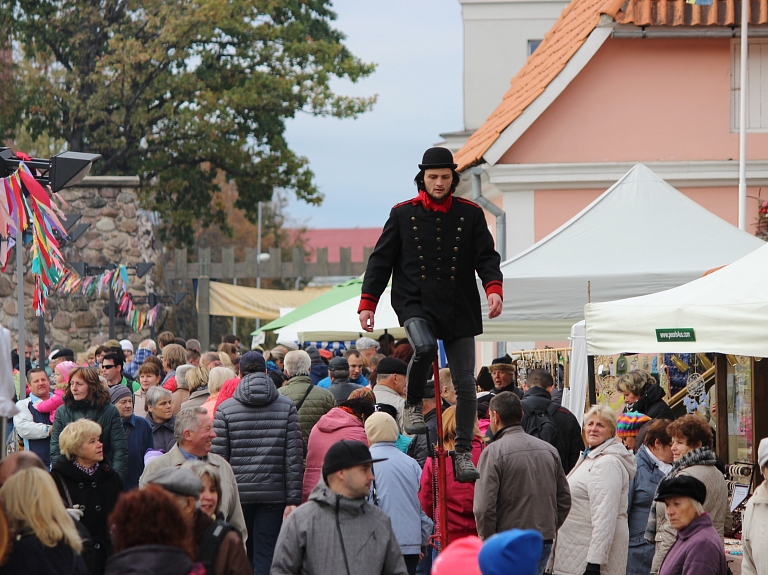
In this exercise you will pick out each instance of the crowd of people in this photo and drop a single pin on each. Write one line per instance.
(174, 460)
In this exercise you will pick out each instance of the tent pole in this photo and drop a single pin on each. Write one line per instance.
(591, 379)
(743, 116)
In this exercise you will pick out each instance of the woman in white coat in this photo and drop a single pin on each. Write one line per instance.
(755, 525)
(594, 538)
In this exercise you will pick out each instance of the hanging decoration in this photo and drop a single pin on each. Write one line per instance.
(117, 280)
(32, 211)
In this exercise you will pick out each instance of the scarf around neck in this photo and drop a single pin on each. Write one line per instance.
(429, 204)
(700, 456)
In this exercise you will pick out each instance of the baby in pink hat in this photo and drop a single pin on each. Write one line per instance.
(61, 377)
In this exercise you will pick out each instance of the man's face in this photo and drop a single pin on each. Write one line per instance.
(355, 366)
(357, 481)
(39, 385)
(112, 371)
(501, 378)
(198, 442)
(125, 407)
(438, 183)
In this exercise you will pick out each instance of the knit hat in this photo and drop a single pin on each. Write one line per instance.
(459, 558)
(346, 454)
(629, 424)
(366, 343)
(381, 427)
(65, 368)
(314, 355)
(762, 453)
(516, 551)
(363, 393)
(252, 362)
(390, 365)
(177, 480)
(126, 345)
(118, 392)
(113, 343)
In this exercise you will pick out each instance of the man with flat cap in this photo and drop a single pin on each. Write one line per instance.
(432, 246)
(337, 530)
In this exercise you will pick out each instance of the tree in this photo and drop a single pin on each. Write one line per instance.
(186, 93)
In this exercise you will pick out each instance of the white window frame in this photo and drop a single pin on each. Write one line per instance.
(757, 79)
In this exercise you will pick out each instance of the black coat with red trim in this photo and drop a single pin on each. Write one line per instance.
(432, 257)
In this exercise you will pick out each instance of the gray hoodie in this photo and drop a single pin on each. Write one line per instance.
(333, 534)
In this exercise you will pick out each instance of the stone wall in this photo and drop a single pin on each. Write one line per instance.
(120, 233)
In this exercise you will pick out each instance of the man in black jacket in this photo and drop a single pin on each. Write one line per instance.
(538, 400)
(431, 247)
(258, 432)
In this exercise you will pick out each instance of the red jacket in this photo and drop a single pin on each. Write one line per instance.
(334, 426)
(461, 518)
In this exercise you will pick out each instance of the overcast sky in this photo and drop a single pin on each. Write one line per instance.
(365, 166)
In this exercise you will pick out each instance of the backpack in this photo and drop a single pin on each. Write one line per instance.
(541, 424)
(211, 542)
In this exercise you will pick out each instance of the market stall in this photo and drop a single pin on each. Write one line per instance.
(641, 236)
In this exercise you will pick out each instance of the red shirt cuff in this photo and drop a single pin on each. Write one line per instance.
(367, 302)
(495, 287)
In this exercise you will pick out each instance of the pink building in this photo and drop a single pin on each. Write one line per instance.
(335, 238)
(616, 82)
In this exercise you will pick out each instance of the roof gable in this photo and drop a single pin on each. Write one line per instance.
(555, 58)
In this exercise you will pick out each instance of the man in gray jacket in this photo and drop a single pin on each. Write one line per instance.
(522, 484)
(337, 530)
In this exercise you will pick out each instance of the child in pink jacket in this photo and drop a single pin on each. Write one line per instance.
(61, 377)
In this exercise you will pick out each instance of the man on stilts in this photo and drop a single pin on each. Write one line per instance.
(432, 246)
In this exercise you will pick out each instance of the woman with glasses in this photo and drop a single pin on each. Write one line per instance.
(87, 398)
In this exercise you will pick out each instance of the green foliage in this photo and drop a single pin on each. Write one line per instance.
(180, 92)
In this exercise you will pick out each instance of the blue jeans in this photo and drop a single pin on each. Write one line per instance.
(263, 522)
(544, 558)
(461, 360)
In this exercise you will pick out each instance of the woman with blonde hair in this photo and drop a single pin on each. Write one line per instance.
(44, 537)
(86, 481)
(461, 518)
(594, 540)
(197, 381)
(216, 378)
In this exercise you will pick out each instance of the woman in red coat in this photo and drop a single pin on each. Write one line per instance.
(343, 422)
(461, 519)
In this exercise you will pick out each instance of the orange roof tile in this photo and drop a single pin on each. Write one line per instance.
(679, 13)
(577, 21)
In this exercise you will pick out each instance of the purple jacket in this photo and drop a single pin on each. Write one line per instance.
(697, 551)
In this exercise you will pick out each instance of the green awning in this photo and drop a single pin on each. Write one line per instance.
(337, 294)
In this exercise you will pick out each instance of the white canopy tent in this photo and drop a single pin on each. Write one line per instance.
(725, 311)
(340, 322)
(640, 237)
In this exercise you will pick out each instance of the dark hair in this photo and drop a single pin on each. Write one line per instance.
(165, 338)
(693, 429)
(658, 429)
(35, 370)
(361, 407)
(508, 407)
(230, 338)
(97, 392)
(103, 349)
(192, 354)
(539, 378)
(149, 516)
(116, 357)
(151, 368)
(350, 352)
(419, 180)
(180, 341)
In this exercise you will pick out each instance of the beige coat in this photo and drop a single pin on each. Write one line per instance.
(754, 533)
(716, 504)
(596, 529)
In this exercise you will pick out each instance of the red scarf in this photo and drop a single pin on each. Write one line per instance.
(429, 204)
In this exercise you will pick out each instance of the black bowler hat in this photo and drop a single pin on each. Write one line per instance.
(435, 158)
(346, 454)
(682, 486)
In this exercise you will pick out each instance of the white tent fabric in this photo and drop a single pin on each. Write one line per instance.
(341, 323)
(641, 236)
(578, 376)
(727, 311)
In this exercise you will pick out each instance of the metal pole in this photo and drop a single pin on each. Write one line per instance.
(111, 312)
(234, 318)
(41, 357)
(20, 311)
(743, 116)
(258, 259)
(442, 457)
(152, 301)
